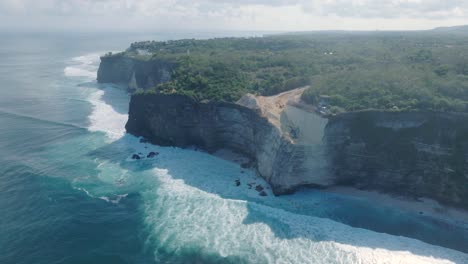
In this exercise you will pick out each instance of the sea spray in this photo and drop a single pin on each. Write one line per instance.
(104, 118)
(83, 66)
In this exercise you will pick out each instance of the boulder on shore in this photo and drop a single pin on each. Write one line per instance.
(238, 183)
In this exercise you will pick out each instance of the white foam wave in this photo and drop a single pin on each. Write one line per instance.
(115, 199)
(197, 206)
(191, 203)
(105, 118)
(183, 216)
(83, 66)
(71, 71)
(85, 191)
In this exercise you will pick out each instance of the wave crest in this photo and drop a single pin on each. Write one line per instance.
(83, 66)
(104, 118)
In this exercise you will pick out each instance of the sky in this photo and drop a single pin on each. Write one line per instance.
(252, 15)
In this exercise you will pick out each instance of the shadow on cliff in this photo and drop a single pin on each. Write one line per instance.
(336, 208)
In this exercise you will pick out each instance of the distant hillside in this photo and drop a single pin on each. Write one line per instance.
(455, 29)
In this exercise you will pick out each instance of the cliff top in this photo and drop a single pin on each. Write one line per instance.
(398, 71)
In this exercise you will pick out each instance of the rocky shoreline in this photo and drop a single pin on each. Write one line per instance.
(414, 154)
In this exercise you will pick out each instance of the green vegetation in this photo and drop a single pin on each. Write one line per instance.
(395, 87)
(426, 70)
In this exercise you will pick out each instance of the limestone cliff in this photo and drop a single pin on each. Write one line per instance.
(419, 154)
(134, 72)
(180, 121)
(412, 154)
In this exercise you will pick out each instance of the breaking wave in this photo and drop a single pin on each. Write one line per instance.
(194, 212)
(105, 118)
(83, 66)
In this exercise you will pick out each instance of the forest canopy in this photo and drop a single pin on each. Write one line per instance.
(425, 70)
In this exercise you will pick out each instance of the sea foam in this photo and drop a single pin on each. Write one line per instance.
(105, 118)
(192, 204)
(202, 209)
(83, 66)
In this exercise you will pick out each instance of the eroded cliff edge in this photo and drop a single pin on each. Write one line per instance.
(180, 121)
(416, 154)
(411, 154)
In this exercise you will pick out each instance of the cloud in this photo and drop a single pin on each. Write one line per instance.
(345, 8)
(390, 9)
(233, 14)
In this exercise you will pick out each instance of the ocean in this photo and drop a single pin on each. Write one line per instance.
(71, 193)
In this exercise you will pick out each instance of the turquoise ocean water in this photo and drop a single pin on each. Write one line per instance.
(70, 193)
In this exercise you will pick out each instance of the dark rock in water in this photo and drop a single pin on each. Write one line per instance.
(259, 188)
(242, 171)
(263, 193)
(250, 185)
(237, 182)
(144, 140)
(136, 157)
(152, 154)
(247, 165)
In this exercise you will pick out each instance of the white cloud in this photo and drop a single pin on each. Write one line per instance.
(233, 14)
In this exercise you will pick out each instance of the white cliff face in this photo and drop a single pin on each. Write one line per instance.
(269, 158)
(293, 153)
(307, 132)
(254, 131)
(291, 146)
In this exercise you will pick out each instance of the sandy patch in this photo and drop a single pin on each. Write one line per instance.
(271, 107)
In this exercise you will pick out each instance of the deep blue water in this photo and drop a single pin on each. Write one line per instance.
(44, 219)
(69, 193)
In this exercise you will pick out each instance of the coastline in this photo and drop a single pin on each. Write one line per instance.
(424, 207)
(271, 108)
